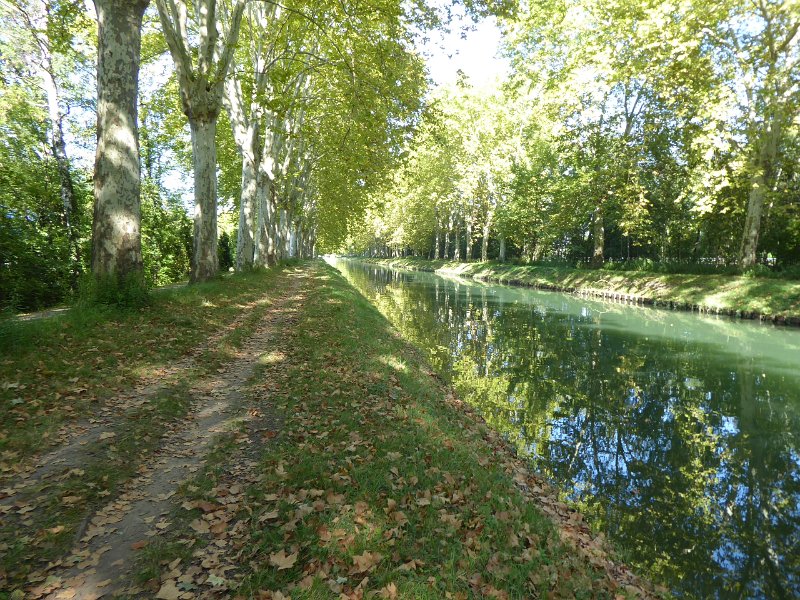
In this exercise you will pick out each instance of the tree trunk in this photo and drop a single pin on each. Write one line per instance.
(204, 149)
(457, 248)
(116, 233)
(487, 229)
(752, 223)
(436, 228)
(201, 89)
(468, 253)
(760, 180)
(264, 246)
(59, 146)
(598, 238)
(502, 248)
(245, 244)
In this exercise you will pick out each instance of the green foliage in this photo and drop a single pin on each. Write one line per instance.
(225, 252)
(628, 130)
(35, 256)
(123, 291)
(166, 237)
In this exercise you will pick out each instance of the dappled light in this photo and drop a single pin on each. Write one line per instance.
(271, 358)
(551, 351)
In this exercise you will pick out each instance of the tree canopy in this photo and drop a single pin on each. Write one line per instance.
(642, 131)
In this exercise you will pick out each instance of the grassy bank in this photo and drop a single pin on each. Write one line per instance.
(748, 297)
(378, 483)
(132, 367)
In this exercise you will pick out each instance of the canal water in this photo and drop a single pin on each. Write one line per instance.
(677, 435)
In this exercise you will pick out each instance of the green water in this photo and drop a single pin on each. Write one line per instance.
(676, 435)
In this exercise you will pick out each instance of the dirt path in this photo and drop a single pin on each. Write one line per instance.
(74, 437)
(99, 564)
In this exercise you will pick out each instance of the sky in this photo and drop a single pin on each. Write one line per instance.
(476, 53)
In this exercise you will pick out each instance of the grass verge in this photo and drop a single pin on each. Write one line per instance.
(748, 297)
(378, 484)
(42, 521)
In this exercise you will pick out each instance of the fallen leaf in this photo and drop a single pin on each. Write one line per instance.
(168, 591)
(139, 545)
(199, 526)
(282, 560)
(207, 506)
(364, 562)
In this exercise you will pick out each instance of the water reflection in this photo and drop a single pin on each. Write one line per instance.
(676, 434)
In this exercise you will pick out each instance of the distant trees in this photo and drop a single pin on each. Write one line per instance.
(318, 99)
(630, 129)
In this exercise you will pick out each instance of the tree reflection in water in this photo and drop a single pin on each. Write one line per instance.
(676, 435)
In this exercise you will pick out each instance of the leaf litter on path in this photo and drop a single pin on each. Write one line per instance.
(99, 564)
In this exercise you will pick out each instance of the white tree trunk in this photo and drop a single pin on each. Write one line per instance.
(201, 89)
(59, 146)
(598, 237)
(204, 149)
(760, 181)
(34, 17)
(261, 251)
(265, 225)
(487, 229)
(436, 231)
(469, 227)
(245, 243)
(116, 235)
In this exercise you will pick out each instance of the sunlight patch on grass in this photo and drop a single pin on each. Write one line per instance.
(271, 358)
(394, 362)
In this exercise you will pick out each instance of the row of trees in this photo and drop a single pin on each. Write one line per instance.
(289, 114)
(628, 129)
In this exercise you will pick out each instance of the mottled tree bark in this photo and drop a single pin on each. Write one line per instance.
(116, 235)
(204, 152)
(598, 238)
(246, 135)
(761, 178)
(263, 219)
(245, 242)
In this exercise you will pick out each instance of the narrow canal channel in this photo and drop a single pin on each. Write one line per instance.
(677, 435)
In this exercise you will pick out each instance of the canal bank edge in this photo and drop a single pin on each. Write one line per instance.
(590, 548)
(753, 298)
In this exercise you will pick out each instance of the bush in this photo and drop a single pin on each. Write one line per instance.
(225, 252)
(127, 291)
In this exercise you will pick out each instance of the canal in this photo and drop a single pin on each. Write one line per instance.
(677, 435)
